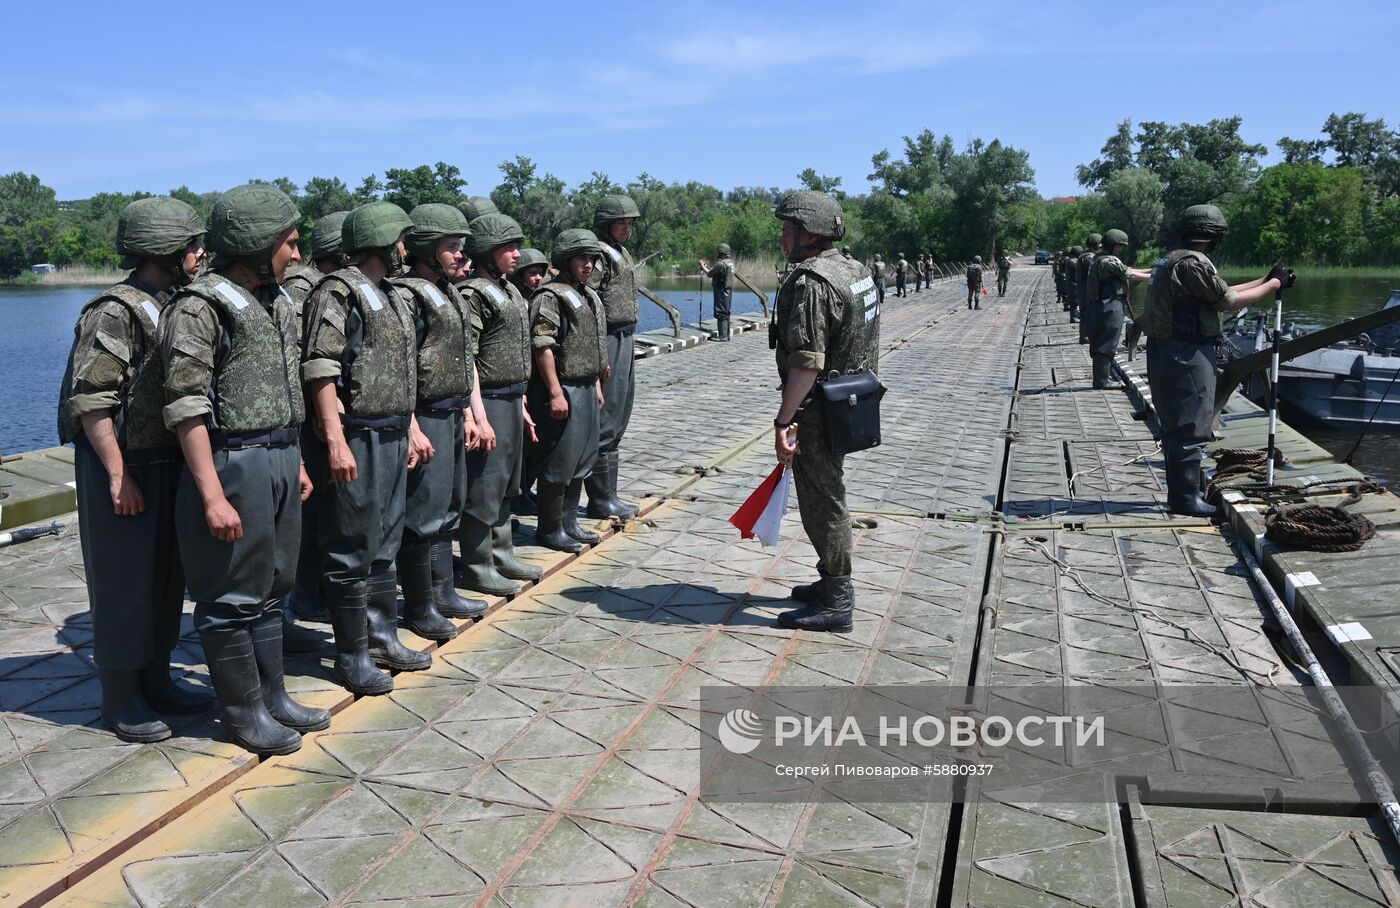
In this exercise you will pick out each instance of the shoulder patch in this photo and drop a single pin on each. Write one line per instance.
(227, 291)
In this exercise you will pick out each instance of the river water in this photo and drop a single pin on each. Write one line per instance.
(36, 332)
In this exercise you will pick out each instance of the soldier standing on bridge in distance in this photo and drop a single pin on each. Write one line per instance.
(126, 466)
(1003, 271)
(1183, 324)
(918, 272)
(877, 273)
(721, 280)
(1088, 308)
(974, 283)
(928, 270)
(1068, 268)
(234, 398)
(1107, 284)
(827, 325)
(1057, 271)
(901, 268)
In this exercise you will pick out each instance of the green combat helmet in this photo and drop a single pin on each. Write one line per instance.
(614, 208)
(247, 223)
(476, 206)
(722, 251)
(374, 229)
(432, 221)
(1202, 223)
(1115, 238)
(977, 260)
(325, 237)
(157, 229)
(815, 212)
(491, 231)
(1093, 240)
(1076, 251)
(531, 258)
(577, 241)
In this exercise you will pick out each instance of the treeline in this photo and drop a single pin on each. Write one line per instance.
(1334, 200)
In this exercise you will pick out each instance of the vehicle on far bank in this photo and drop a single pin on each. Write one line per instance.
(1042, 257)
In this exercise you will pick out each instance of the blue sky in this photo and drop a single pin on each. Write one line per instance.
(727, 93)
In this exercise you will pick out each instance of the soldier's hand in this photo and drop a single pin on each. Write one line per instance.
(530, 428)
(472, 440)
(785, 445)
(1285, 277)
(224, 522)
(420, 450)
(558, 406)
(602, 401)
(127, 500)
(607, 372)
(306, 486)
(485, 436)
(342, 461)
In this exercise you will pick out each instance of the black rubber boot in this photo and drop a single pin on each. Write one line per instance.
(807, 592)
(833, 611)
(297, 639)
(382, 610)
(723, 326)
(524, 504)
(569, 516)
(1184, 490)
(625, 509)
(445, 597)
(420, 613)
(163, 695)
(267, 651)
(503, 552)
(478, 566)
(1103, 374)
(549, 532)
(126, 711)
(602, 503)
(354, 668)
(234, 671)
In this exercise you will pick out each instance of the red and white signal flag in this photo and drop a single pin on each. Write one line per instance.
(762, 514)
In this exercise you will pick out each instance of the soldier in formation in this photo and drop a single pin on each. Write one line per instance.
(928, 270)
(1003, 271)
(877, 273)
(126, 469)
(919, 272)
(1186, 302)
(234, 397)
(901, 269)
(1107, 284)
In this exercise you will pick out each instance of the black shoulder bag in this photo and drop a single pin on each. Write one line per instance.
(851, 411)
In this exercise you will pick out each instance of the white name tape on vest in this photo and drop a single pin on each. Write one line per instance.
(370, 297)
(235, 299)
(435, 295)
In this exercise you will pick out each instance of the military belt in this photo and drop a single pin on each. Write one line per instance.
(622, 330)
(501, 391)
(232, 441)
(444, 403)
(398, 423)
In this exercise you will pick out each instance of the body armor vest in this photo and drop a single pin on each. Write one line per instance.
(582, 352)
(503, 341)
(853, 344)
(444, 365)
(618, 287)
(1082, 267)
(1172, 314)
(1099, 286)
(377, 368)
(137, 417)
(257, 376)
(725, 278)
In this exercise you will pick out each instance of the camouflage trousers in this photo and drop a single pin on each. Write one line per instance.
(819, 477)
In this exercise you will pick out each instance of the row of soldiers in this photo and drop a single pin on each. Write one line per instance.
(331, 430)
(923, 271)
(1183, 320)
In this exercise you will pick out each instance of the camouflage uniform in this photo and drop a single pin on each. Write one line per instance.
(974, 284)
(721, 276)
(1087, 305)
(918, 272)
(1106, 290)
(877, 272)
(901, 267)
(1003, 273)
(928, 270)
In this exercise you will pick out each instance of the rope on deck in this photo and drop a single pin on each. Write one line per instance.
(1321, 528)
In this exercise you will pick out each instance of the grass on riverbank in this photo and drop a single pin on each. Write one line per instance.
(71, 275)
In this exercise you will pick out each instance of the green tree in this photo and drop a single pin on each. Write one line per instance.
(370, 189)
(1303, 213)
(323, 195)
(28, 220)
(536, 201)
(817, 182)
(410, 187)
(1134, 202)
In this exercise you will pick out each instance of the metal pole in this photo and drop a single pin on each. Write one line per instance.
(1273, 384)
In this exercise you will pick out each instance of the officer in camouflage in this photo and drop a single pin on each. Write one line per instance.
(616, 284)
(919, 272)
(826, 325)
(305, 599)
(1104, 292)
(569, 334)
(722, 283)
(1183, 323)
(901, 268)
(437, 490)
(359, 364)
(1057, 270)
(126, 466)
(974, 283)
(1003, 271)
(228, 347)
(928, 270)
(877, 272)
(500, 319)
